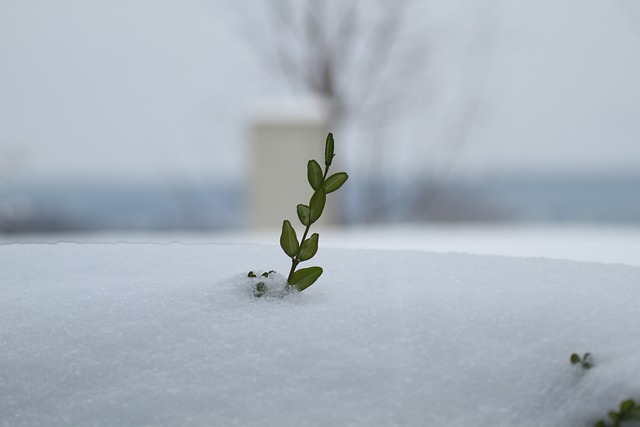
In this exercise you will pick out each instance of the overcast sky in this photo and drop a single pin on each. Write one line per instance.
(149, 89)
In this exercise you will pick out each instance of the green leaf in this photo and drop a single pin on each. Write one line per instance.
(251, 274)
(316, 205)
(308, 248)
(288, 239)
(575, 359)
(303, 214)
(328, 150)
(305, 277)
(314, 174)
(260, 290)
(335, 181)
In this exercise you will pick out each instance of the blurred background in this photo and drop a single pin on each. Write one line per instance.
(146, 116)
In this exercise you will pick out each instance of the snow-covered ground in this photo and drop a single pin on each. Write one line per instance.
(593, 243)
(587, 242)
(132, 334)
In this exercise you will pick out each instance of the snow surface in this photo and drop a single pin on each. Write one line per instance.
(144, 334)
(613, 244)
(577, 242)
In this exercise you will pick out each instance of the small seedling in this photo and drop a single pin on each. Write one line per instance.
(585, 361)
(322, 184)
(304, 249)
(261, 287)
(629, 410)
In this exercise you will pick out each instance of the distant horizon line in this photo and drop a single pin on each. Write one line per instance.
(181, 179)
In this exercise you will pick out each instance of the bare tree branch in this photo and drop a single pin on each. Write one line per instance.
(370, 64)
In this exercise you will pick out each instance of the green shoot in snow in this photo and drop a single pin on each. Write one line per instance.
(322, 184)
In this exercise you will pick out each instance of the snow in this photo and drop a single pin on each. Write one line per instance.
(170, 334)
(578, 242)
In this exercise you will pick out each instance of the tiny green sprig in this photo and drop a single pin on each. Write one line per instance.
(628, 410)
(260, 288)
(304, 249)
(586, 361)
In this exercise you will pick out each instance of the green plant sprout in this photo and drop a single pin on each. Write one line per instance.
(629, 410)
(585, 361)
(304, 249)
(261, 287)
(322, 184)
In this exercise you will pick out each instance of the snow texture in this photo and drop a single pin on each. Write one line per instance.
(166, 335)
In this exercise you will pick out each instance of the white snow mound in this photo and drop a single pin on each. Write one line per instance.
(132, 335)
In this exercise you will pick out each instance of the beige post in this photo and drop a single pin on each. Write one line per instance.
(285, 136)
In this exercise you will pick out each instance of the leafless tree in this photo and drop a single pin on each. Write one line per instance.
(370, 60)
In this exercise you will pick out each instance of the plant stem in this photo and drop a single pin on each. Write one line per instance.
(294, 260)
